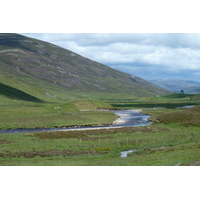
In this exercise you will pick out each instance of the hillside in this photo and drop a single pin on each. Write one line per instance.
(176, 85)
(193, 90)
(49, 72)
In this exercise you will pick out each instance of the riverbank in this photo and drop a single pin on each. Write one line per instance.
(30, 118)
(102, 147)
(126, 118)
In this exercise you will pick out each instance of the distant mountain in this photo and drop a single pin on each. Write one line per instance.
(46, 71)
(176, 85)
(193, 90)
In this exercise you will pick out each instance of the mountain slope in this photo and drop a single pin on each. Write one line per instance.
(175, 85)
(14, 93)
(48, 71)
(193, 90)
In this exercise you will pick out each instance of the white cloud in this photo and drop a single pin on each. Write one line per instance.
(163, 52)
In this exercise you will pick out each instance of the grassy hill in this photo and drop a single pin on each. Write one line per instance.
(51, 73)
(14, 93)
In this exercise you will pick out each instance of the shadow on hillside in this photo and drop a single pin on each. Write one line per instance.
(14, 93)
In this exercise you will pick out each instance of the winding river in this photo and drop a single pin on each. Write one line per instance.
(128, 118)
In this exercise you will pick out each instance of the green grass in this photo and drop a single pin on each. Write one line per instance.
(163, 143)
(179, 95)
(55, 114)
(13, 93)
(169, 102)
(157, 145)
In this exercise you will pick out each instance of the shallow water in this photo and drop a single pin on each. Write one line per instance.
(128, 118)
(131, 118)
(125, 153)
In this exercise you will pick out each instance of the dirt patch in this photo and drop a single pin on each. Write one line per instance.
(197, 163)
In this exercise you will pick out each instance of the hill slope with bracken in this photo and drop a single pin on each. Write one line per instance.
(47, 72)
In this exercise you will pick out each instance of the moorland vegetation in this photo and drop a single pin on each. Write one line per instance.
(172, 139)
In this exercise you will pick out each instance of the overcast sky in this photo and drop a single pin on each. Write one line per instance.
(149, 56)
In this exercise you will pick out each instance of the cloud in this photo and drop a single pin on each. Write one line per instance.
(172, 40)
(159, 54)
(153, 72)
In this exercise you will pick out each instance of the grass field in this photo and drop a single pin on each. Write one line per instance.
(49, 115)
(156, 145)
(173, 138)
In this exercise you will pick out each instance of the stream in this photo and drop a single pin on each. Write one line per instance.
(131, 118)
(128, 118)
(140, 121)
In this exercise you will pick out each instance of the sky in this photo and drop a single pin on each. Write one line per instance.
(168, 48)
(150, 56)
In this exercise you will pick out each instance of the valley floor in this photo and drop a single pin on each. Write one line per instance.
(171, 140)
(156, 145)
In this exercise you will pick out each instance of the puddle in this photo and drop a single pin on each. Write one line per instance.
(125, 153)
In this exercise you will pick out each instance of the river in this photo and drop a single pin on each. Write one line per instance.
(128, 118)
(131, 118)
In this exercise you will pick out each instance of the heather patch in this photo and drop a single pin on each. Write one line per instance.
(189, 117)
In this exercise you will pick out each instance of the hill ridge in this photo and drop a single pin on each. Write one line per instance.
(176, 85)
(57, 70)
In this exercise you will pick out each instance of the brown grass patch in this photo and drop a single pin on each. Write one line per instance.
(189, 117)
(49, 153)
(86, 134)
(197, 163)
(6, 141)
